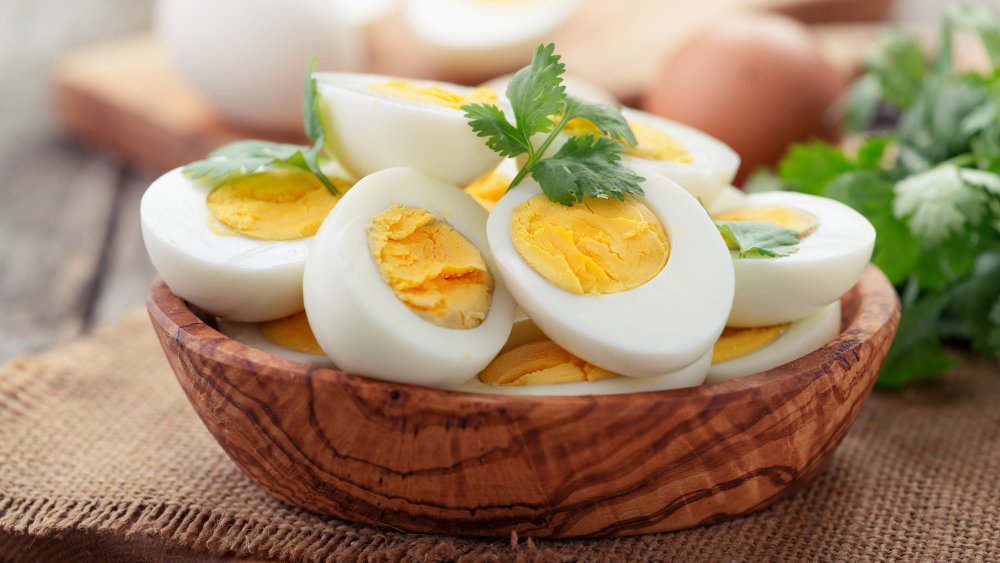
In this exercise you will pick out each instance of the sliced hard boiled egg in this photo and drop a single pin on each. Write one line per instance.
(376, 122)
(287, 337)
(401, 285)
(745, 351)
(640, 287)
(730, 197)
(543, 368)
(490, 187)
(236, 249)
(701, 164)
(835, 246)
(523, 331)
(485, 37)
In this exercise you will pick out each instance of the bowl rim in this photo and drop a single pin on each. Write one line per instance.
(869, 307)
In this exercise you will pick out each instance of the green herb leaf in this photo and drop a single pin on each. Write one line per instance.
(899, 65)
(862, 102)
(938, 202)
(978, 303)
(310, 106)
(984, 22)
(916, 353)
(758, 238)
(489, 121)
(607, 118)
(536, 92)
(586, 166)
(809, 168)
(245, 157)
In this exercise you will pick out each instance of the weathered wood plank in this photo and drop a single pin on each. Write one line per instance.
(126, 272)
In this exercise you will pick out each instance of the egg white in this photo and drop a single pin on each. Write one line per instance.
(482, 37)
(828, 263)
(230, 276)
(800, 338)
(730, 197)
(356, 317)
(371, 131)
(690, 376)
(659, 327)
(249, 334)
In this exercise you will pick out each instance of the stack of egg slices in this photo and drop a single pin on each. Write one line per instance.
(427, 271)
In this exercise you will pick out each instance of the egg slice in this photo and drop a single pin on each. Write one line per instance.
(836, 245)
(575, 86)
(287, 337)
(490, 187)
(485, 37)
(524, 331)
(752, 350)
(376, 122)
(237, 249)
(401, 285)
(730, 197)
(537, 368)
(640, 288)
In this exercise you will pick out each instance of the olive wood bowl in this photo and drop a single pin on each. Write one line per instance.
(429, 460)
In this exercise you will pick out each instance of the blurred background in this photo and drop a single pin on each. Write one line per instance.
(97, 97)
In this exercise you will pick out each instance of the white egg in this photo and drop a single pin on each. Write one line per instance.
(712, 165)
(370, 131)
(249, 334)
(485, 37)
(800, 338)
(575, 86)
(690, 376)
(230, 276)
(828, 262)
(248, 58)
(356, 316)
(730, 197)
(658, 327)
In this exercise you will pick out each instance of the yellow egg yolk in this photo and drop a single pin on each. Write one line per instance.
(651, 142)
(540, 363)
(599, 246)
(488, 188)
(433, 95)
(799, 221)
(273, 205)
(431, 267)
(292, 333)
(736, 342)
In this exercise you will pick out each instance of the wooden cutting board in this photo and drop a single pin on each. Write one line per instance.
(127, 97)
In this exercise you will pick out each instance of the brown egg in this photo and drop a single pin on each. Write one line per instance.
(757, 82)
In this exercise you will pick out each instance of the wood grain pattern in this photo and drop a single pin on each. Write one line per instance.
(436, 461)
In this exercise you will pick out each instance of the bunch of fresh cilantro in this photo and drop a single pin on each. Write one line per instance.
(931, 187)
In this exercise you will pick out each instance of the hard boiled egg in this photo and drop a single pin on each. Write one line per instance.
(836, 245)
(640, 287)
(237, 249)
(543, 368)
(745, 351)
(701, 164)
(485, 37)
(288, 337)
(376, 122)
(401, 285)
(730, 197)
(490, 187)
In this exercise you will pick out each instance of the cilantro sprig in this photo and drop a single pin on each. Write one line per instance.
(246, 157)
(758, 238)
(930, 184)
(586, 165)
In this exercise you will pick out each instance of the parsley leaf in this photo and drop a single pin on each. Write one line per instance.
(246, 157)
(916, 353)
(899, 65)
(758, 238)
(809, 168)
(938, 202)
(586, 166)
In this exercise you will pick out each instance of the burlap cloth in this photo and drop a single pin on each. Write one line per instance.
(102, 458)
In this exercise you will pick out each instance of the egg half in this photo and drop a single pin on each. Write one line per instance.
(236, 249)
(639, 288)
(401, 284)
(836, 245)
(287, 337)
(790, 342)
(375, 122)
(545, 361)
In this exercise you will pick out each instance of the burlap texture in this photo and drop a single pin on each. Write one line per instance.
(102, 458)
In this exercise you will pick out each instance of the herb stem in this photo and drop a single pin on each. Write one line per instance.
(534, 155)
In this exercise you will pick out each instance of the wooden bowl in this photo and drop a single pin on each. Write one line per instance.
(428, 460)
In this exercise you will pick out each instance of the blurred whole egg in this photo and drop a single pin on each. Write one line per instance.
(757, 82)
(248, 58)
